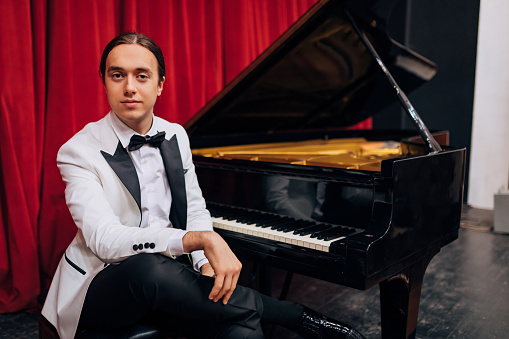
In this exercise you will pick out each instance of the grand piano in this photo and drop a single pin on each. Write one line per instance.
(291, 186)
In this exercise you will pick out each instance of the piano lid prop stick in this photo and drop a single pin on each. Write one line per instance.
(431, 143)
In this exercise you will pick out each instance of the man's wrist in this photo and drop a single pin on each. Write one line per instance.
(196, 240)
(204, 265)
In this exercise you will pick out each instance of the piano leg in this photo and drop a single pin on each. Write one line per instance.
(399, 301)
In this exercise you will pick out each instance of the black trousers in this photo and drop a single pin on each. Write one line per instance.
(157, 289)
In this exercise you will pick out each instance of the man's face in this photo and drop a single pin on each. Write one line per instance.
(132, 85)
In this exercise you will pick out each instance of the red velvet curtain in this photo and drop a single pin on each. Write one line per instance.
(50, 88)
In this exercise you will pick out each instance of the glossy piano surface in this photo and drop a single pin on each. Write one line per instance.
(274, 145)
(411, 206)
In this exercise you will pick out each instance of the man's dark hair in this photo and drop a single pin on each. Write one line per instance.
(132, 38)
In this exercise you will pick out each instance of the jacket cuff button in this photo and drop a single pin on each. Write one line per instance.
(152, 245)
(135, 247)
(146, 245)
(140, 247)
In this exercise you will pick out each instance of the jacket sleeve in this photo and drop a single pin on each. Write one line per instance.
(103, 209)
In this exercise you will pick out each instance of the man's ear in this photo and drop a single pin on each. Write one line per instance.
(160, 86)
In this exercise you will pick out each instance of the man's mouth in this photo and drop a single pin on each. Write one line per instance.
(130, 103)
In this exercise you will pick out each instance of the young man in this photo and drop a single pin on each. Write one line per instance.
(132, 190)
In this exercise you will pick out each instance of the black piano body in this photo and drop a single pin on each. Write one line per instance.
(312, 83)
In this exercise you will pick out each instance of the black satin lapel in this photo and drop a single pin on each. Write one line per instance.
(172, 160)
(123, 166)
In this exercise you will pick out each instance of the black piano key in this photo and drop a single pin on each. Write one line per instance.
(282, 223)
(338, 230)
(292, 226)
(331, 232)
(305, 230)
(325, 231)
(311, 230)
(332, 237)
(303, 225)
(267, 222)
(298, 230)
(247, 217)
(288, 225)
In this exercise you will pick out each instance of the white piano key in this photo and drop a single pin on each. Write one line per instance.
(268, 233)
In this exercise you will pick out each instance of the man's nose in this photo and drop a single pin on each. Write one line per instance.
(130, 85)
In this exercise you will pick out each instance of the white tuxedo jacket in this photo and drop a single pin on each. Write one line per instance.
(103, 196)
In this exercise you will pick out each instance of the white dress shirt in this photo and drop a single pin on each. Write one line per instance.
(155, 189)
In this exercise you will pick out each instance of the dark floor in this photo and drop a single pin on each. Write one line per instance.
(465, 292)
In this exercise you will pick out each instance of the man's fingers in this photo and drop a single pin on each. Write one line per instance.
(232, 288)
(218, 285)
(226, 288)
(225, 265)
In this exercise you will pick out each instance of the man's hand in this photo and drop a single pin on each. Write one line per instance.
(207, 270)
(224, 263)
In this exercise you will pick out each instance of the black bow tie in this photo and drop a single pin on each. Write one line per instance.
(137, 141)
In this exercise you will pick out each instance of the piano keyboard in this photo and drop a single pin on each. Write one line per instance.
(304, 233)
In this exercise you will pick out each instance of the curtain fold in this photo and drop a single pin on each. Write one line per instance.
(19, 155)
(50, 89)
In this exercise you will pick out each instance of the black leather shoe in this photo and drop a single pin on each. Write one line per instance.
(314, 325)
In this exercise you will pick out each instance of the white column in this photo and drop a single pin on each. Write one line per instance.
(489, 158)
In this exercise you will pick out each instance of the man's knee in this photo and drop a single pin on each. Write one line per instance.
(153, 273)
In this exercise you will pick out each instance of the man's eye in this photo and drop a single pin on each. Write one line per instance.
(116, 76)
(143, 77)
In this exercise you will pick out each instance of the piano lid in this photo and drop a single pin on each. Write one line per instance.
(317, 75)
